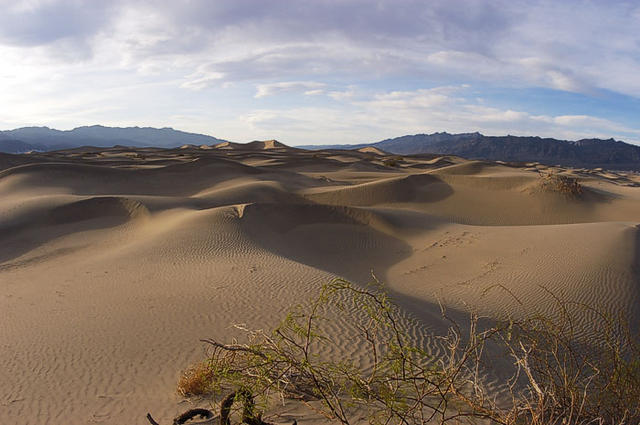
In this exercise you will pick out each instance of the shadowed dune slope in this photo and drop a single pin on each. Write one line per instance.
(416, 187)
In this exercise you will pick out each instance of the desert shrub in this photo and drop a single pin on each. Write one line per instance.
(554, 182)
(569, 380)
(393, 161)
(556, 379)
(196, 380)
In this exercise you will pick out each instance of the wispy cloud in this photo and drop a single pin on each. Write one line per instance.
(306, 87)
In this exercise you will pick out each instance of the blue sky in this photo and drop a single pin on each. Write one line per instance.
(324, 71)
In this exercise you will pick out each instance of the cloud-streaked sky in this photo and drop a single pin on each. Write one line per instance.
(324, 71)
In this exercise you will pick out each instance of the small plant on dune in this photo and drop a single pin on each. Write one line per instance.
(196, 380)
(555, 380)
(393, 161)
(554, 182)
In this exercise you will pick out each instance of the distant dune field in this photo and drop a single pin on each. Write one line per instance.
(115, 262)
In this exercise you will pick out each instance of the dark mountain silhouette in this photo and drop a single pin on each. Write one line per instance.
(16, 146)
(45, 139)
(590, 153)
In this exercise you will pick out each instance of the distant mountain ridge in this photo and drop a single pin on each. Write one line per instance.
(45, 139)
(591, 153)
(16, 146)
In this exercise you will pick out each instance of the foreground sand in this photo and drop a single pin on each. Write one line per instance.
(114, 263)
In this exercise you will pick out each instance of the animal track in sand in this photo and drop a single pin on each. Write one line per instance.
(449, 239)
(489, 268)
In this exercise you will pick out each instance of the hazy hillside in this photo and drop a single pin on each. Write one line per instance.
(16, 146)
(582, 153)
(44, 138)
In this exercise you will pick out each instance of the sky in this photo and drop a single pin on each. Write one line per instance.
(324, 71)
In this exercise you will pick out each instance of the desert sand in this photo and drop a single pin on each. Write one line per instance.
(114, 263)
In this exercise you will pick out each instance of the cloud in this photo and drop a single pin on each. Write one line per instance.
(307, 87)
(403, 62)
(419, 99)
(68, 23)
(570, 45)
(202, 80)
(373, 117)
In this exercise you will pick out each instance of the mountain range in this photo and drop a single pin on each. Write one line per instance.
(590, 153)
(46, 139)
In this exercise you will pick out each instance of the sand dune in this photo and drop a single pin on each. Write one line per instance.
(114, 263)
(371, 149)
(416, 187)
(265, 144)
